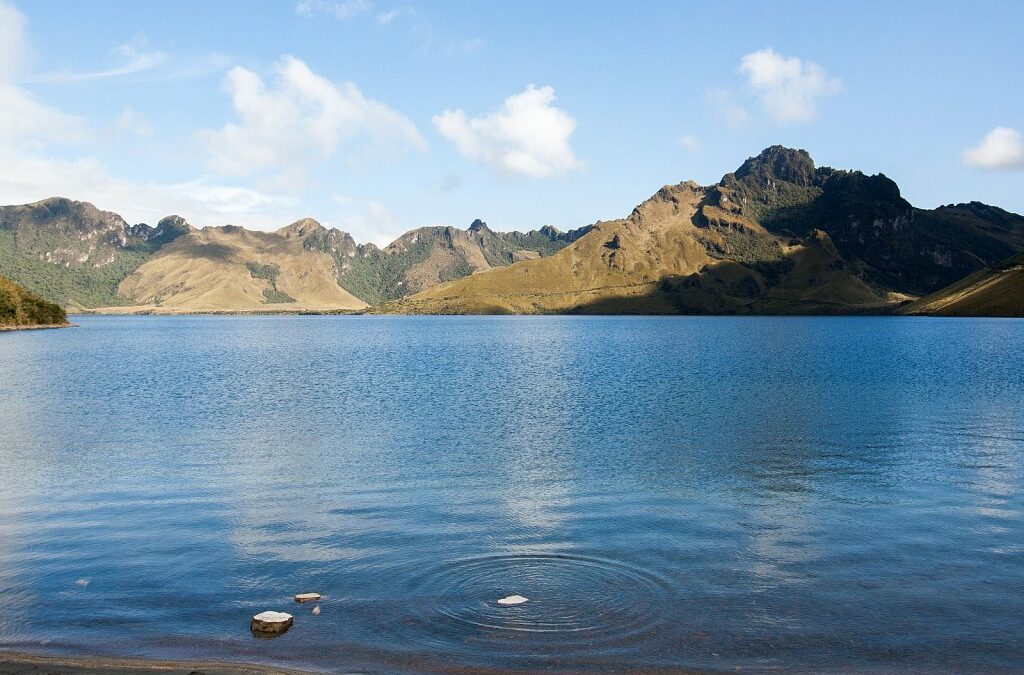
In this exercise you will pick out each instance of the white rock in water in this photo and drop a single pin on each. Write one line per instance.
(307, 597)
(82, 582)
(271, 622)
(512, 600)
(316, 611)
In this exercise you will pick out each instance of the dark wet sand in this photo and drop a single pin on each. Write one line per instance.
(19, 663)
(16, 663)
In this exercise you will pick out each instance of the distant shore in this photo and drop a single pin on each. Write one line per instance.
(43, 326)
(18, 663)
(157, 310)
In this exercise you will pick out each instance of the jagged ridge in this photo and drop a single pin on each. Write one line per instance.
(81, 256)
(778, 235)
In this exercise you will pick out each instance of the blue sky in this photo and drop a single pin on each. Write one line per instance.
(378, 116)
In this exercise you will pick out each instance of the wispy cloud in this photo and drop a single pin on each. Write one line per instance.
(131, 121)
(430, 42)
(468, 46)
(339, 9)
(366, 220)
(1001, 149)
(688, 143)
(729, 107)
(139, 62)
(387, 17)
(135, 56)
(450, 182)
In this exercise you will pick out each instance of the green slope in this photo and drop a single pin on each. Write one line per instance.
(19, 307)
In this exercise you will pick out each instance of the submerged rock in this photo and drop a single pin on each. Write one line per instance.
(307, 597)
(273, 623)
(512, 600)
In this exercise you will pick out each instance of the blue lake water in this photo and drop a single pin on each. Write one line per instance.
(815, 494)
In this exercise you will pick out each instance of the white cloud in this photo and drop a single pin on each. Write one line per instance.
(340, 9)
(301, 119)
(787, 88)
(688, 143)
(1001, 148)
(527, 135)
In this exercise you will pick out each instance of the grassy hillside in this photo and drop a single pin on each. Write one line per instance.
(234, 269)
(19, 307)
(996, 291)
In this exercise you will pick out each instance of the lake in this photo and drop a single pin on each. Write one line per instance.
(816, 494)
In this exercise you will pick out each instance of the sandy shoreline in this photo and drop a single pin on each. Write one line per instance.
(44, 326)
(19, 663)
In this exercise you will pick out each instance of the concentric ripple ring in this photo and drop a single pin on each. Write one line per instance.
(573, 600)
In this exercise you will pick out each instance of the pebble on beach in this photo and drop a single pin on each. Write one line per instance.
(512, 600)
(307, 597)
(273, 623)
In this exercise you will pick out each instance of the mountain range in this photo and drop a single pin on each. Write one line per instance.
(777, 236)
(84, 258)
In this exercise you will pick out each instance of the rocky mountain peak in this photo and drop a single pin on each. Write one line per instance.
(551, 232)
(479, 226)
(301, 228)
(173, 221)
(67, 214)
(851, 189)
(778, 163)
(672, 197)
